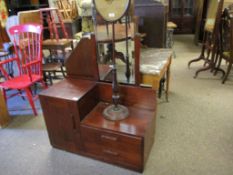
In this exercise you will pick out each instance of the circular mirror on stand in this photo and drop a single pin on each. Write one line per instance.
(112, 11)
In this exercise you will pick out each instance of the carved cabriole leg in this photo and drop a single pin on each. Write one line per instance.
(227, 73)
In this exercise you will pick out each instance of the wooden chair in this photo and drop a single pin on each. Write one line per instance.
(209, 44)
(57, 42)
(226, 41)
(67, 8)
(28, 60)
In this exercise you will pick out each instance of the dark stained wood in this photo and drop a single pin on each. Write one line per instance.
(137, 48)
(124, 150)
(128, 142)
(82, 61)
(73, 110)
(177, 14)
(133, 125)
(152, 20)
(130, 95)
(64, 105)
(73, 115)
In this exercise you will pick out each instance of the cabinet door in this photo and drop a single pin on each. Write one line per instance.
(176, 8)
(188, 8)
(61, 123)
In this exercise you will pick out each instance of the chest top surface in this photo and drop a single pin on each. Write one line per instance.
(69, 89)
(136, 124)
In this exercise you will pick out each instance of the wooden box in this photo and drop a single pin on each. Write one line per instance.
(73, 115)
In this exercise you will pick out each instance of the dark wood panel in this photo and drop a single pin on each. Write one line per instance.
(152, 21)
(130, 95)
(82, 63)
(133, 125)
(183, 15)
(120, 149)
(73, 112)
(69, 89)
(61, 123)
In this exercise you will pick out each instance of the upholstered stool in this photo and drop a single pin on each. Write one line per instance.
(154, 66)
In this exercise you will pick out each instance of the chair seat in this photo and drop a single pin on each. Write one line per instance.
(60, 42)
(154, 60)
(226, 54)
(49, 67)
(20, 82)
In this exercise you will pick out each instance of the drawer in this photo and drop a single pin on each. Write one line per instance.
(117, 148)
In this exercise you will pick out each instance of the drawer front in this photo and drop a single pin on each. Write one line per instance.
(121, 149)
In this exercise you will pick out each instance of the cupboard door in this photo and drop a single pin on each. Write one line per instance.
(182, 14)
(61, 123)
(176, 8)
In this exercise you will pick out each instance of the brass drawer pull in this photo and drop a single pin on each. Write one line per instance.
(109, 138)
(111, 152)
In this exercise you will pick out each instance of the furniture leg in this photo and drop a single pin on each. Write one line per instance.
(203, 69)
(30, 99)
(50, 78)
(62, 71)
(201, 57)
(168, 81)
(43, 84)
(227, 73)
(161, 82)
(219, 61)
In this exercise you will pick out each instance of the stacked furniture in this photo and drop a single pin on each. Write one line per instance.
(67, 8)
(73, 114)
(56, 43)
(69, 13)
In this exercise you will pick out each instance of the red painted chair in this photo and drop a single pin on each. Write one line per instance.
(28, 60)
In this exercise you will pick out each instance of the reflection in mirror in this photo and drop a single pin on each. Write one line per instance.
(103, 33)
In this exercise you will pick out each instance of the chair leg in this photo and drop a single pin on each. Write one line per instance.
(44, 85)
(227, 73)
(63, 72)
(50, 78)
(44, 76)
(30, 99)
(219, 61)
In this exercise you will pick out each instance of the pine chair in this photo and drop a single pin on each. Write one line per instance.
(27, 60)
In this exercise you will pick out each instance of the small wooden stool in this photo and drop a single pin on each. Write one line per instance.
(154, 66)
